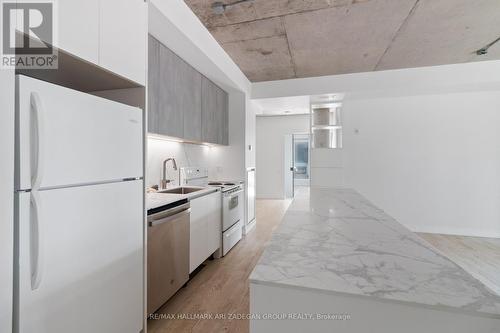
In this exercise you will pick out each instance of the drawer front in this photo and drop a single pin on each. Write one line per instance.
(231, 237)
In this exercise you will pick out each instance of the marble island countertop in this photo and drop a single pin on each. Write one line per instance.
(334, 240)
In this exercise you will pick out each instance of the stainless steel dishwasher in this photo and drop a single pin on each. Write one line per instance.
(168, 252)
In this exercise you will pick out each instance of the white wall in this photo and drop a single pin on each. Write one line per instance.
(6, 197)
(252, 110)
(327, 168)
(270, 134)
(432, 161)
(232, 157)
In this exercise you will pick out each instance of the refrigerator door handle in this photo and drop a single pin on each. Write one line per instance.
(37, 108)
(36, 241)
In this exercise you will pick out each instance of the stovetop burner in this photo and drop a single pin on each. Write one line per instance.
(222, 183)
(226, 186)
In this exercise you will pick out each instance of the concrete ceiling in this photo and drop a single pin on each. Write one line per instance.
(283, 39)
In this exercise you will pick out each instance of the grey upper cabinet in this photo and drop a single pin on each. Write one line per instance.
(189, 96)
(153, 84)
(222, 116)
(214, 113)
(181, 102)
(171, 120)
(209, 114)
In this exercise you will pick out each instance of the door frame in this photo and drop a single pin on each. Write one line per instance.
(288, 165)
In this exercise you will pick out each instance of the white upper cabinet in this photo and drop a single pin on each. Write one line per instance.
(79, 28)
(123, 38)
(109, 33)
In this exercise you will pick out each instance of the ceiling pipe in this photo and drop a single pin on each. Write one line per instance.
(484, 50)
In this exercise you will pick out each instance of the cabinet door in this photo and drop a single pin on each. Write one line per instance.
(79, 28)
(189, 95)
(222, 117)
(170, 119)
(122, 38)
(206, 228)
(197, 233)
(209, 111)
(153, 84)
(214, 222)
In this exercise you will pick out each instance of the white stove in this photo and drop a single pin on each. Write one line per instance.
(233, 212)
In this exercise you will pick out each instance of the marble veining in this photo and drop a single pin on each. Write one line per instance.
(336, 240)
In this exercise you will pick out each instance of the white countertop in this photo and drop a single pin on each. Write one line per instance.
(158, 199)
(334, 240)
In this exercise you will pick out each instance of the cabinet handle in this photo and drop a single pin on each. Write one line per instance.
(154, 223)
(36, 242)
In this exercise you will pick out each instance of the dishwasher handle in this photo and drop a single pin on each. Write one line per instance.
(168, 215)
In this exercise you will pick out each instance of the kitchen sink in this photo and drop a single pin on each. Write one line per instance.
(182, 190)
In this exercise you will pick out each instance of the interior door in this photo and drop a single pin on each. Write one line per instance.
(80, 263)
(67, 137)
(288, 167)
(301, 159)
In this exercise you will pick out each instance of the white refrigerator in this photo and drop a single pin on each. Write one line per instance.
(79, 212)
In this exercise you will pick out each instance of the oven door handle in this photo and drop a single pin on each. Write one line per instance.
(232, 194)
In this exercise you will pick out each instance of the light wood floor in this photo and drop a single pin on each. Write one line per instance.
(478, 256)
(222, 286)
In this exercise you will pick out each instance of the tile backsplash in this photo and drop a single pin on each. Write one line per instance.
(185, 154)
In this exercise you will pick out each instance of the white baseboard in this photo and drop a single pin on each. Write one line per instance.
(249, 227)
(269, 197)
(472, 232)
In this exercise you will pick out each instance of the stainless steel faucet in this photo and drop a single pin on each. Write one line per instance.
(164, 180)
